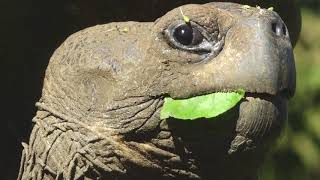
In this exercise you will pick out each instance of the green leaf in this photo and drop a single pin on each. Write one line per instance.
(206, 106)
(186, 19)
(270, 8)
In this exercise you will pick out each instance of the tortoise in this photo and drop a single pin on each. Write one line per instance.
(99, 114)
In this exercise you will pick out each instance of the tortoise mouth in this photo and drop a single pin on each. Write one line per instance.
(269, 97)
(242, 133)
(259, 117)
(255, 107)
(245, 130)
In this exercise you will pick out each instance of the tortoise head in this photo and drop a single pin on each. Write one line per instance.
(112, 79)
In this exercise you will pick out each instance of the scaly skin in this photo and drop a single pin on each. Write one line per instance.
(98, 117)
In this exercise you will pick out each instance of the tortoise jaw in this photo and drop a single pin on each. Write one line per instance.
(261, 119)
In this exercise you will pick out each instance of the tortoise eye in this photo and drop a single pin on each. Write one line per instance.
(193, 37)
(187, 35)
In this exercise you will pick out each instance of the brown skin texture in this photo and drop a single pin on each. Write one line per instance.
(98, 117)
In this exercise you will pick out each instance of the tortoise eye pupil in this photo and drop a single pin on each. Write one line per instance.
(183, 34)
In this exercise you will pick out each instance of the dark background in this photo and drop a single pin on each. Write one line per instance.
(31, 30)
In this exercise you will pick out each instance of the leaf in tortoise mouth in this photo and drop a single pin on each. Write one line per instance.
(205, 106)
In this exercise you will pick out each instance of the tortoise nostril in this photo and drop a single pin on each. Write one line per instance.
(279, 29)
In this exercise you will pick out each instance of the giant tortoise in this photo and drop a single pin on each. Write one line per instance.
(98, 117)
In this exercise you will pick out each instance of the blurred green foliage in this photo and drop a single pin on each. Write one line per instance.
(310, 4)
(297, 154)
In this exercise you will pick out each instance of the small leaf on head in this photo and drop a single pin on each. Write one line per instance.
(186, 19)
(270, 8)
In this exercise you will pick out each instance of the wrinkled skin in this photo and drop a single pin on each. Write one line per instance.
(98, 117)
